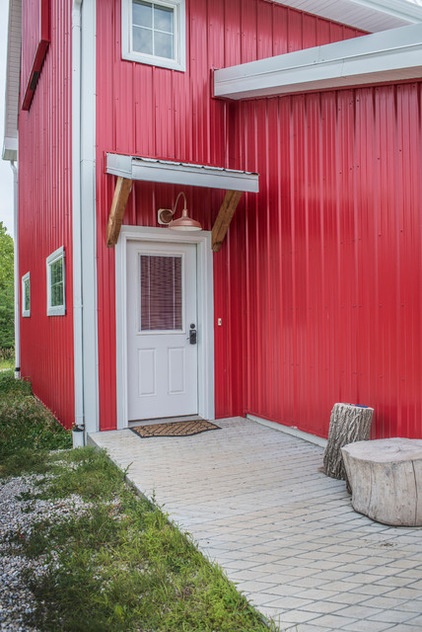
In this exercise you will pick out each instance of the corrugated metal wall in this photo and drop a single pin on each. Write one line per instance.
(318, 284)
(333, 245)
(45, 218)
(149, 111)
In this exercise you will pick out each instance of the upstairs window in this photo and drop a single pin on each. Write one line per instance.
(26, 295)
(154, 32)
(56, 305)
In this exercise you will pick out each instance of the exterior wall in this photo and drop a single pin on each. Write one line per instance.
(148, 111)
(333, 256)
(45, 219)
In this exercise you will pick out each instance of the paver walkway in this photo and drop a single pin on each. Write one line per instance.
(255, 501)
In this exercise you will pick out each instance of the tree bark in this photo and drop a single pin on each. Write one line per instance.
(348, 423)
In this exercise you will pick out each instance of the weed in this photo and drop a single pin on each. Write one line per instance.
(111, 560)
(7, 358)
(28, 431)
(124, 564)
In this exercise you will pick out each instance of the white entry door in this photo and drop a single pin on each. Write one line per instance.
(162, 375)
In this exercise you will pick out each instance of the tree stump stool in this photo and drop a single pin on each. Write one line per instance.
(348, 423)
(385, 476)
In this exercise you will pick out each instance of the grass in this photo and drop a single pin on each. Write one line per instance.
(7, 358)
(28, 431)
(116, 562)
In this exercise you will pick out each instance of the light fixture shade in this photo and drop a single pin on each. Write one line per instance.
(185, 223)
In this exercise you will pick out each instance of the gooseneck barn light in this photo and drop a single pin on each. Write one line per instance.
(166, 215)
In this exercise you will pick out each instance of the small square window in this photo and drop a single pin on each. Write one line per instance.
(26, 295)
(56, 286)
(154, 32)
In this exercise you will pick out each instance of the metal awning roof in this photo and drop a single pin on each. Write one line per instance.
(130, 168)
(188, 174)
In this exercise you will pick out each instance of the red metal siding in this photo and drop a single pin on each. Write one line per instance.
(36, 37)
(318, 283)
(333, 256)
(45, 221)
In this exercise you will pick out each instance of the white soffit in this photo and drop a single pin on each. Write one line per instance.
(10, 141)
(153, 170)
(367, 15)
(394, 55)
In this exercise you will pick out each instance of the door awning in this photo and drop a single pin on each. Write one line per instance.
(130, 168)
(188, 174)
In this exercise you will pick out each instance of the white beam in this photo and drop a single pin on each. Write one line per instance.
(153, 170)
(382, 57)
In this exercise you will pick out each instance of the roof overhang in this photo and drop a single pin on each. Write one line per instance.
(129, 168)
(389, 56)
(153, 170)
(10, 142)
(367, 15)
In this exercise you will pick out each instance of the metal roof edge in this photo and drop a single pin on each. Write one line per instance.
(11, 97)
(380, 57)
(190, 174)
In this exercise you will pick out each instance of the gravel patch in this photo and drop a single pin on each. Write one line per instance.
(18, 513)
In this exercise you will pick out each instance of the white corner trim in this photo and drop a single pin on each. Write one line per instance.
(382, 57)
(205, 313)
(154, 170)
(76, 214)
(84, 214)
(89, 214)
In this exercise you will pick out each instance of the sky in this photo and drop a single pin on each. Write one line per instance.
(6, 174)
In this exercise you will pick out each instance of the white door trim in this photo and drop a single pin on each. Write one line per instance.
(205, 313)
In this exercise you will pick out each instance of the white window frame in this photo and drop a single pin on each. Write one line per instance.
(26, 282)
(179, 13)
(56, 310)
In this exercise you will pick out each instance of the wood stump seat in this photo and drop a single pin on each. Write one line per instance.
(385, 477)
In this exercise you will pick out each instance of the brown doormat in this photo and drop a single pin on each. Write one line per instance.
(175, 429)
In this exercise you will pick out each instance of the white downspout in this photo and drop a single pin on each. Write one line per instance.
(16, 272)
(76, 215)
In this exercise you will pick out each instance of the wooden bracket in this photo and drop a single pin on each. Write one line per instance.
(224, 217)
(120, 197)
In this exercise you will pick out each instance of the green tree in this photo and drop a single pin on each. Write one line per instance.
(7, 340)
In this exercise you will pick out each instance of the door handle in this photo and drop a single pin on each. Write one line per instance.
(192, 334)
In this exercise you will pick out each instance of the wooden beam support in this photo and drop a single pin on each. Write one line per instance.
(120, 197)
(224, 217)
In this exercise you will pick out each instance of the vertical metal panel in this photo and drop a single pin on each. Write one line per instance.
(45, 221)
(348, 166)
(318, 283)
(36, 37)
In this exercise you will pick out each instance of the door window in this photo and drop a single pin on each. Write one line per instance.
(161, 293)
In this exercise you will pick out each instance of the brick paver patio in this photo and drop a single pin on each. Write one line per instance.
(256, 502)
